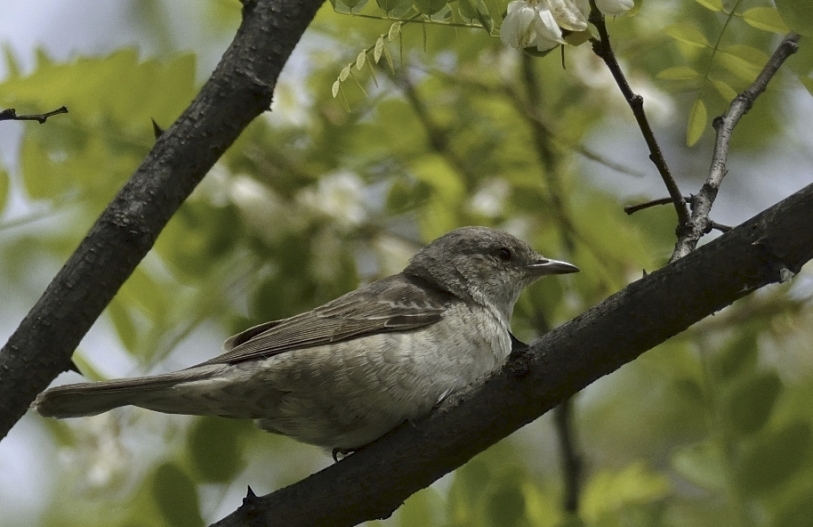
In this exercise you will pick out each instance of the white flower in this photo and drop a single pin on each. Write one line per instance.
(539, 23)
(614, 7)
(568, 15)
(530, 23)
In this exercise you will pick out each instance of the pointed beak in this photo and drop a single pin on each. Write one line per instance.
(545, 266)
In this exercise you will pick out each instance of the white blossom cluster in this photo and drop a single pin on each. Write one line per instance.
(539, 23)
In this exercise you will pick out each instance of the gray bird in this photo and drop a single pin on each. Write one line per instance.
(344, 374)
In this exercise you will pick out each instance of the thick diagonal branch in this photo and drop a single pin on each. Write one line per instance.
(239, 90)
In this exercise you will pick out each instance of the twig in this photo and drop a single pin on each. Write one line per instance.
(632, 209)
(699, 223)
(571, 460)
(603, 49)
(720, 227)
(10, 114)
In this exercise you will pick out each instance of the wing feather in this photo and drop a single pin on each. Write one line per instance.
(392, 304)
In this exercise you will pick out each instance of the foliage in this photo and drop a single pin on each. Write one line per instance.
(711, 428)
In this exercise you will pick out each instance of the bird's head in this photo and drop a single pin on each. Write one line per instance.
(485, 265)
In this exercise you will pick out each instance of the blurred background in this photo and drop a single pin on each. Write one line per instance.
(325, 193)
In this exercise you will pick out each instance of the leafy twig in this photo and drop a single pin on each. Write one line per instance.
(10, 114)
(602, 48)
(699, 223)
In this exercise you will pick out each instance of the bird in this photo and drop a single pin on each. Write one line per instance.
(344, 374)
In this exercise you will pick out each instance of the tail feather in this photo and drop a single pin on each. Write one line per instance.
(90, 398)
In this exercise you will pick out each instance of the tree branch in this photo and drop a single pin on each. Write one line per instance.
(10, 114)
(373, 482)
(604, 50)
(699, 223)
(239, 90)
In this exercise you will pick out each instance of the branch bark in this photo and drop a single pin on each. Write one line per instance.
(239, 90)
(372, 483)
(699, 224)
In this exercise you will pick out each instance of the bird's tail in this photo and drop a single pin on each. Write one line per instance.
(157, 392)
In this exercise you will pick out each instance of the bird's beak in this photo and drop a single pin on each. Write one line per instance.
(544, 266)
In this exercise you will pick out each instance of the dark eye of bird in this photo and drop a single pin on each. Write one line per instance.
(504, 254)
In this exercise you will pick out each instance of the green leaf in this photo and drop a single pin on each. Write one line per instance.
(688, 34)
(765, 18)
(378, 50)
(798, 15)
(775, 458)
(395, 8)
(678, 73)
(468, 488)
(610, 491)
(505, 506)
(701, 464)
(467, 9)
(361, 60)
(743, 61)
(348, 6)
(430, 7)
(712, 5)
(123, 323)
(176, 496)
(807, 82)
(420, 509)
(698, 117)
(738, 356)
(750, 402)
(796, 512)
(726, 92)
(12, 65)
(496, 9)
(394, 31)
(214, 450)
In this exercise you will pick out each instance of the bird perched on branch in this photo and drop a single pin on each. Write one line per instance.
(344, 374)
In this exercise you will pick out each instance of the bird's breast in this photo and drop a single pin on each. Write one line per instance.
(349, 393)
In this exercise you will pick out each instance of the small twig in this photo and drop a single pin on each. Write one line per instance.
(699, 223)
(10, 114)
(571, 460)
(720, 227)
(632, 209)
(603, 49)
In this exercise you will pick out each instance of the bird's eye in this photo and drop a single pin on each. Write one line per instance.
(504, 254)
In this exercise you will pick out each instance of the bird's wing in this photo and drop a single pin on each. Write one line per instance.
(392, 304)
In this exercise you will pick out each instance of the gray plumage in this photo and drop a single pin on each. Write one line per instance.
(347, 372)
